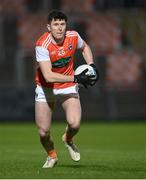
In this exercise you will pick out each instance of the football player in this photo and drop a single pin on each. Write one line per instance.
(55, 80)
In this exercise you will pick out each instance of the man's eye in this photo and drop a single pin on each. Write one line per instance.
(55, 24)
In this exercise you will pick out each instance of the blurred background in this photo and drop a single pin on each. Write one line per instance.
(116, 32)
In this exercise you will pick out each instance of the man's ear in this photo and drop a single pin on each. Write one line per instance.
(48, 27)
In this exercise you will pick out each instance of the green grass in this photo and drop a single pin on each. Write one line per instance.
(107, 151)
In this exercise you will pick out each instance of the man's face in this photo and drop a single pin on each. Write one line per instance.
(58, 29)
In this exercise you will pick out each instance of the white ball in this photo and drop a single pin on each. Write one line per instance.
(81, 68)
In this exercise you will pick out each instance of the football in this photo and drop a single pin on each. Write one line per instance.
(81, 68)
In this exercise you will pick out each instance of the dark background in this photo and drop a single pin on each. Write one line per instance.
(116, 32)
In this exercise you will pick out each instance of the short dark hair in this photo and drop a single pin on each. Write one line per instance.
(56, 14)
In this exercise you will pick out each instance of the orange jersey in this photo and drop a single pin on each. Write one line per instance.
(61, 57)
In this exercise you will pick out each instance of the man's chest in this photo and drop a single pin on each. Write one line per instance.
(67, 49)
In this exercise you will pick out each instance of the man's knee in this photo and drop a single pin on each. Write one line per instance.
(75, 126)
(44, 132)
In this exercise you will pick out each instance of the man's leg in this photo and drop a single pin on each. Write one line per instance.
(72, 110)
(43, 116)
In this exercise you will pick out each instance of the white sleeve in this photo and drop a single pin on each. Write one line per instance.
(80, 42)
(42, 54)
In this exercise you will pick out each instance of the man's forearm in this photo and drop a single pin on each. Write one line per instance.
(87, 54)
(53, 77)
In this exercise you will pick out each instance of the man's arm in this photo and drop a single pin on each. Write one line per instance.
(87, 53)
(88, 56)
(51, 76)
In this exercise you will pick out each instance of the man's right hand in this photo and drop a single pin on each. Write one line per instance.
(84, 79)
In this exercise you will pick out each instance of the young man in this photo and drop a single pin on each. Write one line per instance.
(55, 79)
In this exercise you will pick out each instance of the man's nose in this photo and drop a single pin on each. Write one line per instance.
(60, 27)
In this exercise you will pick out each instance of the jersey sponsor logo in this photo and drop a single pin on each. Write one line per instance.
(61, 62)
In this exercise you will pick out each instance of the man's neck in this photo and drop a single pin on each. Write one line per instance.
(57, 41)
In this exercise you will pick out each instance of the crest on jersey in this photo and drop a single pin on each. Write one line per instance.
(61, 51)
(70, 47)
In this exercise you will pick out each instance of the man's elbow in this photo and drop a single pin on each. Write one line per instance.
(48, 78)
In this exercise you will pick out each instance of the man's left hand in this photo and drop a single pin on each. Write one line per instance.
(96, 78)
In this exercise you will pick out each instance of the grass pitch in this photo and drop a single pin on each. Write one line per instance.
(107, 151)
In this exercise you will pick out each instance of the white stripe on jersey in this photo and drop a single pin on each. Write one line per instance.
(46, 42)
(71, 33)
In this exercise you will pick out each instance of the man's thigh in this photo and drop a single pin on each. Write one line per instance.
(72, 108)
(43, 114)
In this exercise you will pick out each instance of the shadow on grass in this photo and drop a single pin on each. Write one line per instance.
(102, 167)
(82, 166)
